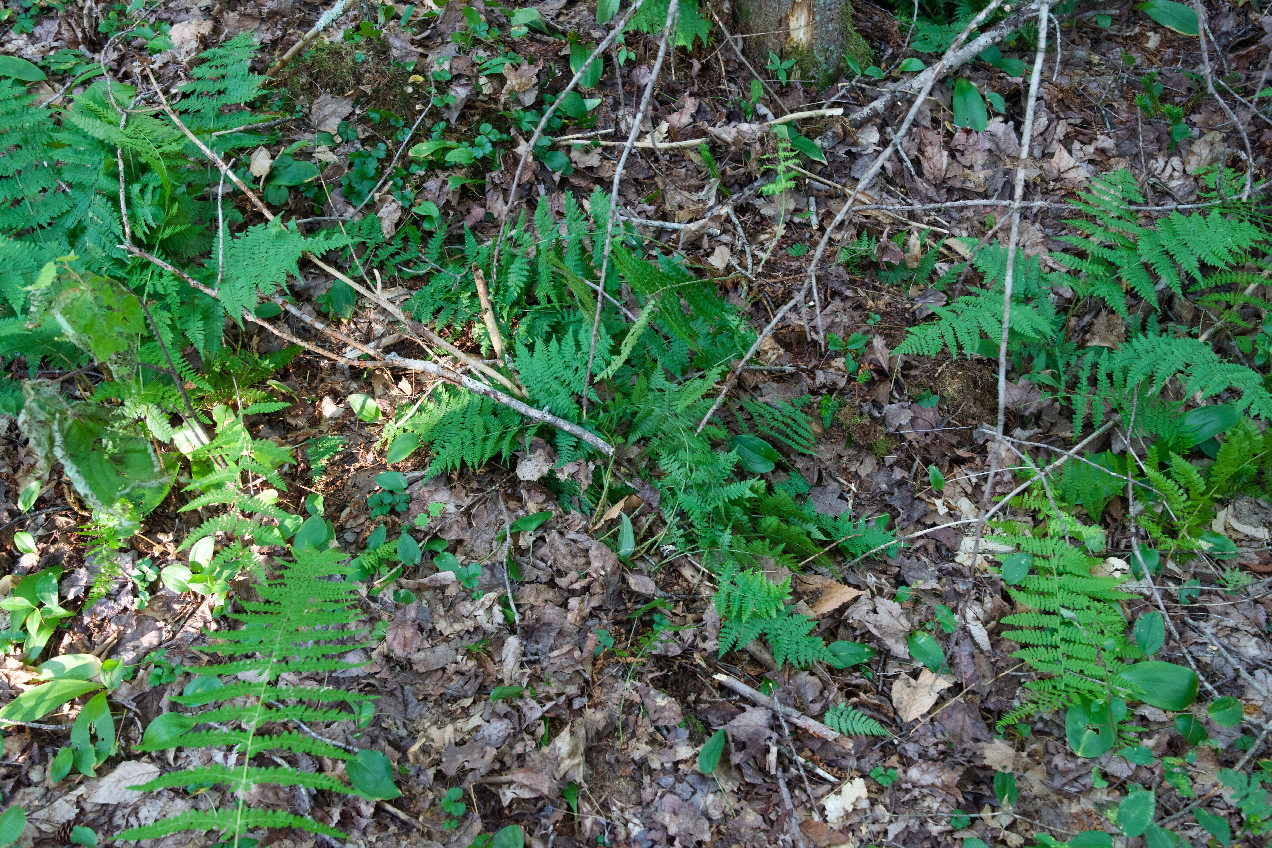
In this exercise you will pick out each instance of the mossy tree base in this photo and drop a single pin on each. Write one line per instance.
(817, 34)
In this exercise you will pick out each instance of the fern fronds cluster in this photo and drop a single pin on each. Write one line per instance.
(305, 620)
(1070, 624)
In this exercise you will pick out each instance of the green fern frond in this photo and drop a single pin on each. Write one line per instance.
(851, 721)
(785, 422)
(299, 626)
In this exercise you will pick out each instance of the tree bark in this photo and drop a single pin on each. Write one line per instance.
(817, 34)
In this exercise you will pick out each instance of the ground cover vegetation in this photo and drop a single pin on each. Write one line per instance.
(448, 386)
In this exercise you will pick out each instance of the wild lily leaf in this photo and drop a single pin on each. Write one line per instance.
(1161, 684)
(969, 106)
(1177, 16)
(35, 704)
(709, 756)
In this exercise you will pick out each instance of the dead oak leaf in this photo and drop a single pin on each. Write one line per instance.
(831, 593)
(328, 111)
(886, 619)
(913, 698)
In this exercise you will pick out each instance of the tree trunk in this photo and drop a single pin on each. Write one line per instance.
(817, 34)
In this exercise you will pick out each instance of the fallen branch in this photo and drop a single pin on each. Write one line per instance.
(797, 718)
(1013, 244)
(328, 18)
(415, 327)
(391, 360)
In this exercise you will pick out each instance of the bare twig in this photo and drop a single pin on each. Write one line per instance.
(526, 155)
(507, 549)
(1202, 28)
(790, 808)
(958, 54)
(488, 313)
(429, 335)
(1013, 243)
(391, 360)
(669, 27)
(797, 718)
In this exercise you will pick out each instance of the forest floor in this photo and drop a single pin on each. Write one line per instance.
(582, 722)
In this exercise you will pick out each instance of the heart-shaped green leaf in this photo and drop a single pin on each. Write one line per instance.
(1226, 712)
(1015, 568)
(165, 731)
(12, 823)
(1150, 632)
(371, 775)
(508, 837)
(1135, 813)
(848, 654)
(1090, 728)
(969, 106)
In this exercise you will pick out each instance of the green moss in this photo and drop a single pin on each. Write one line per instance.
(822, 70)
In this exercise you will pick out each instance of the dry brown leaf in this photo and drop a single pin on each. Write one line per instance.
(999, 755)
(886, 619)
(840, 804)
(328, 111)
(260, 163)
(832, 594)
(913, 698)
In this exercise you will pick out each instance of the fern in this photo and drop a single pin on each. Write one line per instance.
(260, 259)
(785, 422)
(319, 451)
(851, 721)
(464, 429)
(304, 621)
(691, 24)
(1120, 253)
(1071, 626)
(222, 81)
(975, 316)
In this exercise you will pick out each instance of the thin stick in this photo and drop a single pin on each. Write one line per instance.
(737, 51)
(998, 507)
(428, 334)
(543, 122)
(488, 313)
(953, 58)
(512, 604)
(669, 26)
(797, 718)
(392, 360)
(1223, 104)
(790, 807)
(1013, 243)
